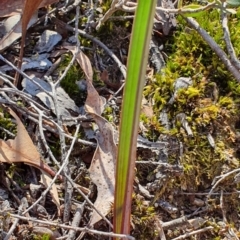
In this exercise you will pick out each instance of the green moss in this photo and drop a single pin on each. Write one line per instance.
(143, 218)
(108, 113)
(69, 82)
(41, 237)
(206, 112)
(7, 124)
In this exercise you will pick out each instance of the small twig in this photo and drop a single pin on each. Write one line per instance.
(7, 79)
(76, 220)
(77, 229)
(109, 13)
(161, 234)
(221, 178)
(121, 18)
(175, 223)
(67, 185)
(8, 132)
(226, 36)
(54, 66)
(214, 46)
(71, 6)
(25, 96)
(24, 75)
(186, 235)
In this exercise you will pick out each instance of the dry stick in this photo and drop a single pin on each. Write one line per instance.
(125, 8)
(78, 229)
(121, 18)
(226, 36)
(24, 75)
(114, 7)
(68, 187)
(214, 46)
(25, 96)
(175, 223)
(8, 132)
(7, 79)
(221, 178)
(79, 211)
(71, 6)
(76, 220)
(193, 233)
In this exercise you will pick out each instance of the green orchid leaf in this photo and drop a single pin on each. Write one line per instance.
(136, 71)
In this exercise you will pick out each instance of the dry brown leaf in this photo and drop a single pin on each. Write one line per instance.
(12, 7)
(102, 169)
(22, 149)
